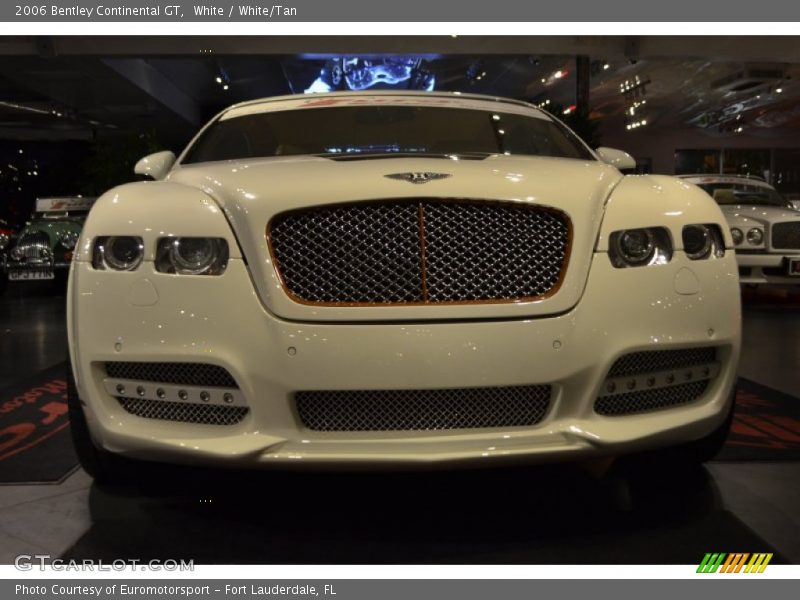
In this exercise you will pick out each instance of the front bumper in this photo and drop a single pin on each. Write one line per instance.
(148, 316)
(35, 268)
(766, 268)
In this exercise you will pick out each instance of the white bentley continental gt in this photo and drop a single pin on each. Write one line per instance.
(399, 280)
(765, 227)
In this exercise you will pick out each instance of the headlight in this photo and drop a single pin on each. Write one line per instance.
(755, 236)
(16, 253)
(68, 239)
(192, 255)
(639, 247)
(737, 235)
(702, 241)
(121, 253)
(4, 239)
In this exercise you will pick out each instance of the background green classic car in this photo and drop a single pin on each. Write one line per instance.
(44, 247)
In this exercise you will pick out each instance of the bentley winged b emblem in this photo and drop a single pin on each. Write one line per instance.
(418, 177)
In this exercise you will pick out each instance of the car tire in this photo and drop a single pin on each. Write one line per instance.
(101, 465)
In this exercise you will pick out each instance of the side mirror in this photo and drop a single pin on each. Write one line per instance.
(616, 158)
(155, 165)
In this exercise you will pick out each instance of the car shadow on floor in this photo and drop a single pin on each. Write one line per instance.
(541, 515)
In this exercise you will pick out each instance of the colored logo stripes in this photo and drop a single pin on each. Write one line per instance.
(734, 563)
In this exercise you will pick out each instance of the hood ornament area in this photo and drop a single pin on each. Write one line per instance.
(418, 177)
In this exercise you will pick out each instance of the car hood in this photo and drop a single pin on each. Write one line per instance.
(53, 228)
(252, 192)
(758, 214)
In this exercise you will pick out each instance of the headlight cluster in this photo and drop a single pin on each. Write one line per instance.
(4, 239)
(69, 239)
(192, 255)
(176, 255)
(703, 241)
(119, 253)
(640, 247)
(754, 236)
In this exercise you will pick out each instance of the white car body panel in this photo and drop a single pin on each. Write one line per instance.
(273, 347)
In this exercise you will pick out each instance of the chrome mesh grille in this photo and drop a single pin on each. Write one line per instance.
(492, 252)
(420, 252)
(649, 400)
(168, 372)
(423, 410)
(786, 235)
(661, 360)
(205, 414)
(359, 253)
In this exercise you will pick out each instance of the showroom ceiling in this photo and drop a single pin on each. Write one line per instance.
(72, 88)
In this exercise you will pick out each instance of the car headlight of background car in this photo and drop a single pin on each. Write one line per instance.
(737, 235)
(69, 239)
(175, 255)
(4, 239)
(755, 236)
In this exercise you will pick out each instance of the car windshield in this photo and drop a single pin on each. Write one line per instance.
(737, 193)
(360, 131)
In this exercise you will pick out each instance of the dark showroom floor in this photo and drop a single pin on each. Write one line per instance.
(747, 500)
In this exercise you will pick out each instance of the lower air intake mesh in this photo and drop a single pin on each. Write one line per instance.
(423, 410)
(638, 363)
(205, 414)
(177, 373)
(649, 400)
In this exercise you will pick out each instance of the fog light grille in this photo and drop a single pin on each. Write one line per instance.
(423, 410)
(199, 374)
(661, 360)
(649, 400)
(205, 414)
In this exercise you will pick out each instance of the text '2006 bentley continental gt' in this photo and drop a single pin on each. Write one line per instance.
(399, 280)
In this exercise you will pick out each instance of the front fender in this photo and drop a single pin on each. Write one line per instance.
(152, 210)
(659, 201)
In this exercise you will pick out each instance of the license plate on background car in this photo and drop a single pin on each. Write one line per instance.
(794, 267)
(31, 275)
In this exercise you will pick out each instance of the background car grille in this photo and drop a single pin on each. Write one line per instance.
(661, 360)
(423, 410)
(420, 252)
(199, 374)
(204, 414)
(35, 245)
(786, 235)
(649, 400)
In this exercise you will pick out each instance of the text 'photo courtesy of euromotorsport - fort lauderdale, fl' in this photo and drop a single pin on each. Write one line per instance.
(169, 590)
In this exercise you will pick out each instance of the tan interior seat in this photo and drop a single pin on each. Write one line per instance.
(724, 196)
